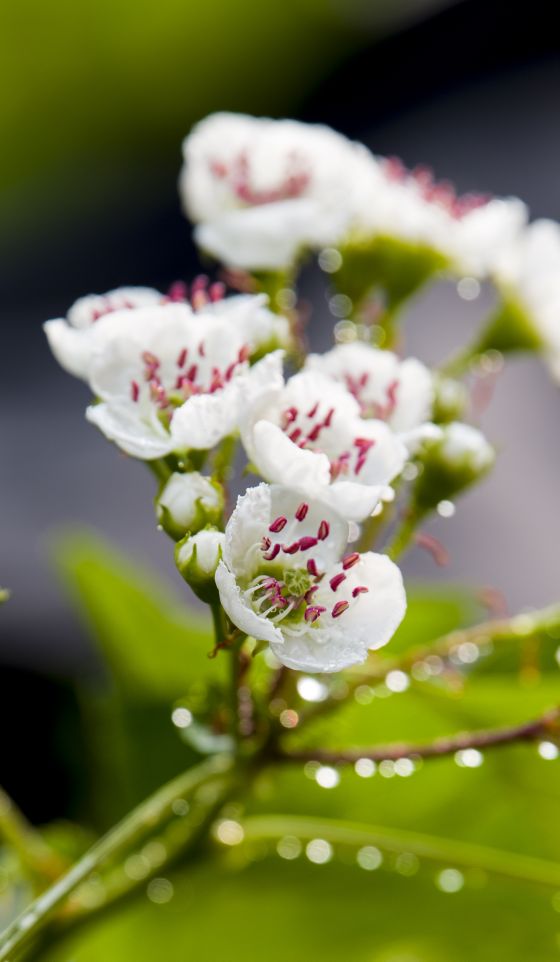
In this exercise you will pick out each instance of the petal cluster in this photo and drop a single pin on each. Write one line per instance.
(288, 578)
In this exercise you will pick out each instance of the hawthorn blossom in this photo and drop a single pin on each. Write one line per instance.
(262, 190)
(93, 321)
(457, 459)
(401, 393)
(308, 434)
(411, 206)
(286, 577)
(173, 381)
(528, 277)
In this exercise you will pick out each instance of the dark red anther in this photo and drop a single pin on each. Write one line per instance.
(217, 291)
(302, 511)
(290, 415)
(150, 360)
(278, 524)
(324, 530)
(201, 349)
(265, 542)
(328, 419)
(336, 581)
(295, 435)
(312, 612)
(182, 357)
(350, 560)
(312, 568)
(359, 590)
(134, 390)
(307, 542)
(177, 291)
(310, 592)
(244, 354)
(313, 411)
(192, 372)
(272, 554)
(340, 608)
(290, 548)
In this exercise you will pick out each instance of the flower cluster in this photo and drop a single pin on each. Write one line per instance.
(352, 448)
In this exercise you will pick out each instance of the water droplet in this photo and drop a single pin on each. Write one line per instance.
(137, 867)
(548, 751)
(327, 777)
(229, 832)
(407, 864)
(364, 695)
(319, 851)
(450, 880)
(369, 858)
(180, 807)
(181, 717)
(365, 767)
(469, 758)
(387, 768)
(289, 847)
(289, 718)
(311, 689)
(446, 509)
(468, 288)
(397, 681)
(404, 767)
(330, 260)
(160, 891)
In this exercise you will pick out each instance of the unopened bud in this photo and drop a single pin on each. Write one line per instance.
(459, 458)
(187, 503)
(197, 557)
(450, 399)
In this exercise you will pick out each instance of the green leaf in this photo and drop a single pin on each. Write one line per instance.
(152, 641)
(432, 612)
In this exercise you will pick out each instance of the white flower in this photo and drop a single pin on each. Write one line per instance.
(174, 381)
(197, 556)
(96, 320)
(307, 434)
(528, 274)
(398, 392)
(411, 206)
(261, 190)
(285, 578)
(462, 444)
(188, 502)
(74, 340)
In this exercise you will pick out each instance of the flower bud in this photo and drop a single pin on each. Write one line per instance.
(188, 502)
(197, 557)
(459, 458)
(450, 399)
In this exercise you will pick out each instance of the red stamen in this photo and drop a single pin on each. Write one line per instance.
(290, 548)
(278, 524)
(350, 560)
(313, 612)
(182, 357)
(274, 551)
(336, 581)
(312, 568)
(306, 543)
(359, 590)
(313, 411)
(340, 608)
(324, 530)
(302, 511)
(134, 390)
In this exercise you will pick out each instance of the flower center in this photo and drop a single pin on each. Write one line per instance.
(299, 596)
(381, 410)
(311, 430)
(192, 374)
(237, 174)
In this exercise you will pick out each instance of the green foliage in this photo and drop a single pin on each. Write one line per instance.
(270, 907)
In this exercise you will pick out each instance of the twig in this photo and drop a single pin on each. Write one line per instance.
(548, 724)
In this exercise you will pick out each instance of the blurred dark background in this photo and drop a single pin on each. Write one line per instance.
(95, 99)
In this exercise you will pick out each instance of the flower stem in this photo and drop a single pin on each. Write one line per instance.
(405, 534)
(522, 868)
(36, 857)
(146, 818)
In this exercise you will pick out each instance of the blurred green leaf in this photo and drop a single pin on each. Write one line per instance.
(432, 612)
(278, 910)
(154, 647)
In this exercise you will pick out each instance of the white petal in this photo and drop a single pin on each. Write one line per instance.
(120, 423)
(241, 614)
(71, 347)
(354, 501)
(369, 623)
(203, 420)
(279, 459)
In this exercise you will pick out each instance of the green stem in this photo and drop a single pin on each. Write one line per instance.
(404, 534)
(148, 817)
(522, 868)
(36, 857)
(160, 469)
